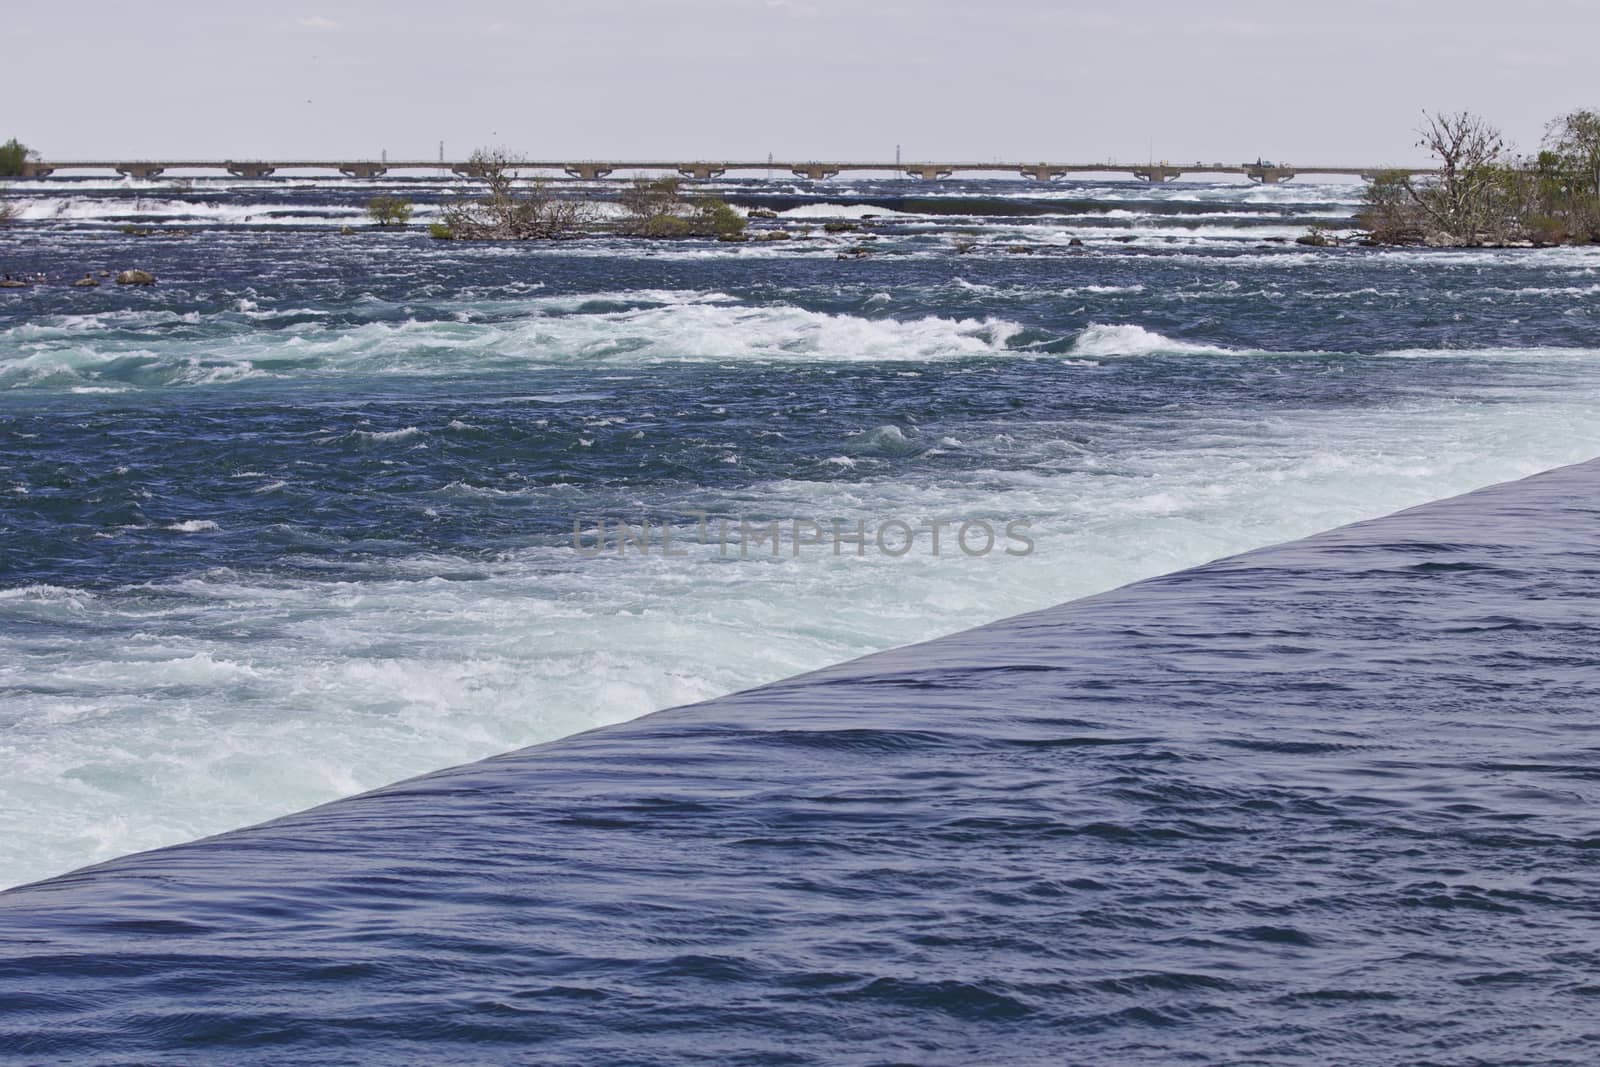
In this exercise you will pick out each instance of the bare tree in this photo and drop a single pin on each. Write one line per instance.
(1462, 202)
(1481, 194)
(508, 213)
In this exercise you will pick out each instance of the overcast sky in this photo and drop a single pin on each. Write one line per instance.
(1336, 82)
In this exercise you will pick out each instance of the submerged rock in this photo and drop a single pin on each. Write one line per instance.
(136, 277)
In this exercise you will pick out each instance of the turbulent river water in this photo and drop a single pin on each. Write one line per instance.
(298, 521)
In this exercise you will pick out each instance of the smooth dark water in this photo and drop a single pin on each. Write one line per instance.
(1328, 802)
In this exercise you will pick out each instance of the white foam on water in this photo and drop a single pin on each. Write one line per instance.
(157, 714)
(127, 350)
(623, 329)
(1130, 340)
(166, 211)
(843, 211)
(403, 434)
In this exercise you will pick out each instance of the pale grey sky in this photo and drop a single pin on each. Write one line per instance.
(1339, 81)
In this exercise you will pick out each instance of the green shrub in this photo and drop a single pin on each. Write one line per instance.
(665, 226)
(389, 210)
(441, 231)
(713, 218)
(14, 157)
(659, 208)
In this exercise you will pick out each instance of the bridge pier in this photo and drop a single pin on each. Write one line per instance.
(363, 170)
(1157, 174)
(1042, 173)
(702, 171)
(249, 170)
(31, 169)
(929, 174)
(140, 170)
(588, 171)
(1268, 175)
(816, 172)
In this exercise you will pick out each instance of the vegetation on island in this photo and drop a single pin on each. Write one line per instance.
(512, 211)
(389, 210)
(507, 212)
(1483, 194)
(14, 158)
(660, 208)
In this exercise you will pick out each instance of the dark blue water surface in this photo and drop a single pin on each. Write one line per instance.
(1331, 802)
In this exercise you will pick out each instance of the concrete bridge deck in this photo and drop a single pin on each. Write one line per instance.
(1266, 173)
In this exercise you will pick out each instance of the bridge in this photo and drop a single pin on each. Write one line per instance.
(593, 170)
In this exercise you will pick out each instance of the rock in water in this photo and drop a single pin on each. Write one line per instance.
(136, 277)
(86, 282)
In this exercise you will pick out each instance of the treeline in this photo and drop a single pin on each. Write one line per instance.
(1484, 194)
(658, 208)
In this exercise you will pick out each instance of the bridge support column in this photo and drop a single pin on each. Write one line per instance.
(249, 170)
(929, 174)
(816, 172)
(31, 169)
(702, 171)
(1042, 173)
(1268, 175)
(588, 171)
(140, 170)
(1156, 175)
(363, 170)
